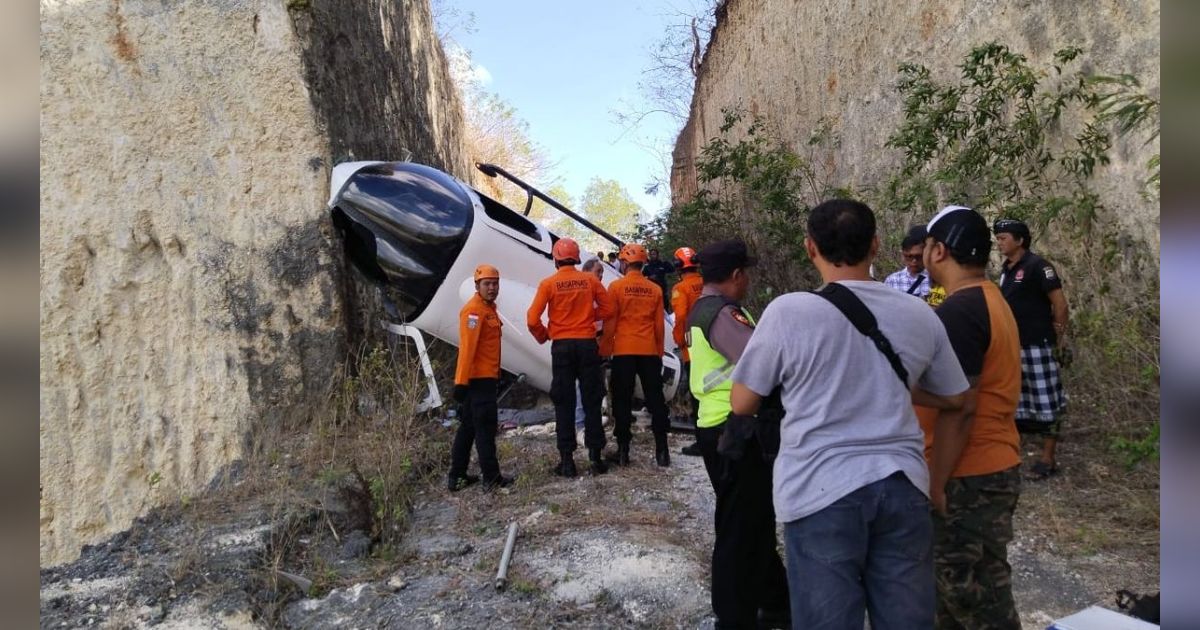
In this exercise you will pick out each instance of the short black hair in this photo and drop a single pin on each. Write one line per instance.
(842, 230)
(634, 265)
(915, 236)
(1017, 228)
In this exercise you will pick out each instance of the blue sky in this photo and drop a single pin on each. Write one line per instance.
(564, 66)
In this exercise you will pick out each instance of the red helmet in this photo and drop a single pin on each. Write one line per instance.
(634, 253)
(685, 258)
(485, 271)
(565, 249)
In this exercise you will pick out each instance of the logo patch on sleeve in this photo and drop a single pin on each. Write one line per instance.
(472, 321)
(1049, 271)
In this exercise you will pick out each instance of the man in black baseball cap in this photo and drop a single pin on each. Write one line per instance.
(964, 232)
(1034, 291)
(723, 257)
(973, 453)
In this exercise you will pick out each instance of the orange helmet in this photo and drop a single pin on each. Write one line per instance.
(565, 249)
(485, 271)
(634, 253)
(685, 258)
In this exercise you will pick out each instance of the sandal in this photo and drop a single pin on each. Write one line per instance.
(1041, 471)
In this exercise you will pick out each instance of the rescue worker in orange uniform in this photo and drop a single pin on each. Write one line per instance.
(683, 296)
(634, 337)
(576, 301)
(475, 380)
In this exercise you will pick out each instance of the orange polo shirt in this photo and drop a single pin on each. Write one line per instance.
(478, 341)
(683, 296)
(637, 326)
(576, 301)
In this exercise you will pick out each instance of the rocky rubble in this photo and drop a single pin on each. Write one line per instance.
(627, 549)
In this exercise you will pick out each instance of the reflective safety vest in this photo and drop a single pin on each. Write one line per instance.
(710, 380)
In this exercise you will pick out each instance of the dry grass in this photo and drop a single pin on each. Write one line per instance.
(356, 463)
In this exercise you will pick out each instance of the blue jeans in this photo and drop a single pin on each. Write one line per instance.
(871, 550)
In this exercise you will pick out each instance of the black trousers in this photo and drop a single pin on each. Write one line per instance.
(685, 383)
(648, 369)
(574, 360)
(477, 424)
(747, 572)
(707, 438)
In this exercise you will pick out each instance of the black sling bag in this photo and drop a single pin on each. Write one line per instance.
(862, 318)
(916, 283)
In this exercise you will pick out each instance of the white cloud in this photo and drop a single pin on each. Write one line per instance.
(464, 70)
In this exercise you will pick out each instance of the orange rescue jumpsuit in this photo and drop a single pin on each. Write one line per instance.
(634, 337)
(576, 301)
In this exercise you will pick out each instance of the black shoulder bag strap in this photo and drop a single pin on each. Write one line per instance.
(916, 283)
(862, 318)
(704, 312)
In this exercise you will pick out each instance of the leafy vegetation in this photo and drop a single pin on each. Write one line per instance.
(755, 188)
(1004, 137)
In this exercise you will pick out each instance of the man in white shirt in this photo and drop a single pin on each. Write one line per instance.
(850, 482)
(912, 279)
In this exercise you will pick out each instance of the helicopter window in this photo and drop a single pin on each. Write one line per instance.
(500, 213)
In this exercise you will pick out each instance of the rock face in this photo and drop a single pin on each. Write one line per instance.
(190, 280)
(798, 62)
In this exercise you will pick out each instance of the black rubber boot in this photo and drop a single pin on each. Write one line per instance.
(623, 454)
(662, 452)
(692, 449)
(566, 465)
(598, 465)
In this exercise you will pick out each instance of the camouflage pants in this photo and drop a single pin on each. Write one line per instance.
(970, 553)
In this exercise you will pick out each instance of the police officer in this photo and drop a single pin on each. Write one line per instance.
(683, 296)
(576, 301)
(475, 380)
(633, 337)
(749, 585)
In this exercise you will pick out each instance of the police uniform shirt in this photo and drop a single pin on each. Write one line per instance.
(1026, 286)
(730, 330)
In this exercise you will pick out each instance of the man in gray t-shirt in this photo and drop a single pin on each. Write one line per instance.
(850, 481)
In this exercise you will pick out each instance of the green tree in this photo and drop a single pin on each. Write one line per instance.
(550, 217)
(610, 207)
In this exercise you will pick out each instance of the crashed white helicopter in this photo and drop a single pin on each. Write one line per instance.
(422, 232)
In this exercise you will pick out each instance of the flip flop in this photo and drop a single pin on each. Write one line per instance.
(1041, 471)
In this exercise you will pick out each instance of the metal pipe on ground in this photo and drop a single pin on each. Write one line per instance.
(502, 573)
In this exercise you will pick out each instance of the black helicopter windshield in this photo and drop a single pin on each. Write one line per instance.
(404, 224)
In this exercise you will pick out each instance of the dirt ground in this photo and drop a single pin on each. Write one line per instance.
(626, 549)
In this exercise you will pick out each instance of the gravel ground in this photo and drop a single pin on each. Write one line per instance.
(627, 549)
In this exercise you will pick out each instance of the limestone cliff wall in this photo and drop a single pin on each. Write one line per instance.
(191, 284)
(796, 62)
